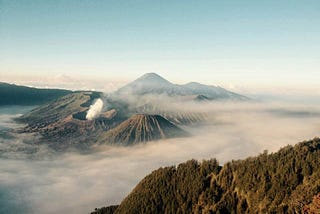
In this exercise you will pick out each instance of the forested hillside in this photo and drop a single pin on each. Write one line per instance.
(283, 182)
(21, 95)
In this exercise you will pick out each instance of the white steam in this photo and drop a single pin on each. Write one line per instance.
(95, 109)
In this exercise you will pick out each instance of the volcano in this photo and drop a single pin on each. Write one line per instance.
(143, 128)
(154, 84)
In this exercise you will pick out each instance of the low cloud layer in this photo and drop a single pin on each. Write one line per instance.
(77, 183)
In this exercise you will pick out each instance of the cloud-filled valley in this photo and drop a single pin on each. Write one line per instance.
(76, 183)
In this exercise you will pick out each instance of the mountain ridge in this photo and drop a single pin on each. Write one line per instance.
(152, 83)
(12, 94)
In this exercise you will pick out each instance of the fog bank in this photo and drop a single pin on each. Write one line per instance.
(77, 183)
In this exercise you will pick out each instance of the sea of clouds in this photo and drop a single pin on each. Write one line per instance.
(38, 180)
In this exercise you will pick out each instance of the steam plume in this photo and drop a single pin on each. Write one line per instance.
(94, 109)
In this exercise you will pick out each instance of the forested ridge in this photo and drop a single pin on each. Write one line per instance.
(21, 95)
(287, 181)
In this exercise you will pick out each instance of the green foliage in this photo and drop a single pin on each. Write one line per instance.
(171, 189)
(105, 210)
(282, 182)
(20, 95)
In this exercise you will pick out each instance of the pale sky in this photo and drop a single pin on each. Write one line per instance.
(236, 44)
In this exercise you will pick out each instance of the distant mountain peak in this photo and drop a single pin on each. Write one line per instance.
(151, 74)
(152, 77)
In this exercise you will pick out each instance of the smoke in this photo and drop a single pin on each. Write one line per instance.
(94, 109)
(77, 183)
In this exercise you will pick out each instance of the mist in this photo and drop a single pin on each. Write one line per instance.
(77, 183)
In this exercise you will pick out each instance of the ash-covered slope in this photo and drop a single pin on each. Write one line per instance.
(61, 108)
(63, 122)
(142, 128)
(174, 115)
(281, 182)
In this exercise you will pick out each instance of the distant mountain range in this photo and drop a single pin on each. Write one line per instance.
(287, 181)
(11, 94)
(121, 121)
(148, 84)
(152, 83)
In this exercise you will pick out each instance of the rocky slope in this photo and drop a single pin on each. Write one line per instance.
(142, 128)
(63, 122)
(59, 109)
(173, 114)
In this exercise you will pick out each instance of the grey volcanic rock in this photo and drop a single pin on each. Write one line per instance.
(75, 104)
(177, 117)
(64, 120)
(142, 128)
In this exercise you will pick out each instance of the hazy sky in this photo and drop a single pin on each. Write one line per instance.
(240, 42)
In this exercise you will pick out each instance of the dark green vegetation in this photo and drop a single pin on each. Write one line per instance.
(281, 182)
(21, 95)
(105, 210)
(142, 128)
